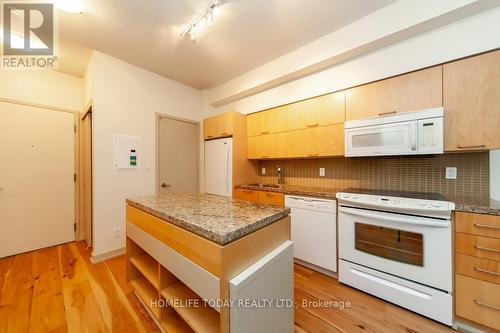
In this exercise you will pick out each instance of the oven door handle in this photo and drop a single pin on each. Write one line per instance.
(406, 219)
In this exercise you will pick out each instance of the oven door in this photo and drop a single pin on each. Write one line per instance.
(415, 248)
(389, 139)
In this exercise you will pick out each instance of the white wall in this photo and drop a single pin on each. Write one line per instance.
(495, 174)
(125, 99)
(46, 88)
(469, 36)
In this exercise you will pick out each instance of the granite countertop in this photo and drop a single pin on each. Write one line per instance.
(318, 192)
(476, 205)
(219, 219)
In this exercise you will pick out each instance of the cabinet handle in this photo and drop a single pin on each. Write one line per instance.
(471, 147)
(486, 271)
(312, 125)
(264, 157)
(487, 226)
(312, 155)
(209, 136)
(270, 195)
(247, 191)
(387, 113)
(264, 133)
(223, 134)
(487, 305)
(486, 248)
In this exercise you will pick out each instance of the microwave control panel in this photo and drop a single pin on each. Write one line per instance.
(430, 136)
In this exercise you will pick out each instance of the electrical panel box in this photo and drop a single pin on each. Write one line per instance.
(126, 151)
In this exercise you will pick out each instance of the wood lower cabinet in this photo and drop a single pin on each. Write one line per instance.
(260, 197)
(271, 198)
(409, 92)
(219, 126)
(471, 92)
(478, 301)
(248, 195)
(477, 267)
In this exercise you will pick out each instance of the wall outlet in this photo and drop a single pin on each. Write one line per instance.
(451, 173)
(263, 171)
(322, 172)
(116, 233)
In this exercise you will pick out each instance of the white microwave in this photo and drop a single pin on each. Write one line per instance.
(406, 133)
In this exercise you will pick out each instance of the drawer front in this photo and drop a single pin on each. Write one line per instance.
(478, 224)
(477, 246)
(271, 198)
(202, 282)
(482, 269)
(248, 195)
(478, 301)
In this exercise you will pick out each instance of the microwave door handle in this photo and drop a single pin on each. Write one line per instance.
(406, 220)
(413, 136)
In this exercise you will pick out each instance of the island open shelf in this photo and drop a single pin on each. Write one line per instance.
(166, 262)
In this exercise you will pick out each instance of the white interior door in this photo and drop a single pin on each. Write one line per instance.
(36, 178)
(178, 155)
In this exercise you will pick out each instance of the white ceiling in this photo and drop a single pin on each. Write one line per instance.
(245, 35)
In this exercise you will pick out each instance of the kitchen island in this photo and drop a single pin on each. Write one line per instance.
(205, 263)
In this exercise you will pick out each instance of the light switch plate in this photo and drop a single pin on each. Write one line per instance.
(263, 171)
(322, 172)
(451, 173)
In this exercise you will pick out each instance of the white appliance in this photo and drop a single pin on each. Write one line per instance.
(398, 249)
(406, 133)
(219, 167)
(314, 231)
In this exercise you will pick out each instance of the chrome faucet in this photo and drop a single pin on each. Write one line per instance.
(280, 175)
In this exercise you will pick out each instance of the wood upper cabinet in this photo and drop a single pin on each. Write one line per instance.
(268, 121)
(319, 111)
(218, 126)
(267, 146)
(409, 92)
(471, 90)
(316, 142)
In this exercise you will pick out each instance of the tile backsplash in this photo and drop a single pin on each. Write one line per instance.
(415, 174)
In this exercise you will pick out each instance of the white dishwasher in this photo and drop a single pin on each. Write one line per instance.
(314, 231)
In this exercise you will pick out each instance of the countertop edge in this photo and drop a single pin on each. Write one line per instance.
(221, 240)
(459, 207)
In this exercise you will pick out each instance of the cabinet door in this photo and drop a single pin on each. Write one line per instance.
(408, 92)
(244, 194)
(471, 98)
(316, 142)
(268, 121)
(271, 198)
(218, 126)
(319, 111)
(266, 146)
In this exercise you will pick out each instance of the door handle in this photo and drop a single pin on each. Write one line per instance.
(486, 248)
(164, 185)
(475, 224)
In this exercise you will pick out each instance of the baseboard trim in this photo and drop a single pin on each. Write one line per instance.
(107, 255)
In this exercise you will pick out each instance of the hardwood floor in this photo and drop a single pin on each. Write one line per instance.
(59, 290)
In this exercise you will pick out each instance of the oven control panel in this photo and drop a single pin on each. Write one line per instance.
(409, 205)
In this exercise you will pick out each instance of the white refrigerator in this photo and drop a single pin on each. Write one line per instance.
(219, 167)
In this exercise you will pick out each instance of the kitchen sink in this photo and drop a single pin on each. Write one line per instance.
(267, 185)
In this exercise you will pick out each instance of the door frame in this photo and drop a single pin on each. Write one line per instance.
(158, 116)
(78, 228)
(81, 177)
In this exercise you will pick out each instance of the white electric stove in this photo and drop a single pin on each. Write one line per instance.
(398, 247)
